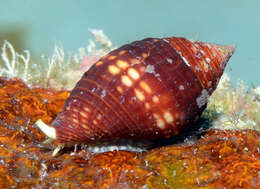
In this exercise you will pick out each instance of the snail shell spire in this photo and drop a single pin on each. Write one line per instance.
(147, 89)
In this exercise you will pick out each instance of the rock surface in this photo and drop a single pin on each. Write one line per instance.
(218, 159)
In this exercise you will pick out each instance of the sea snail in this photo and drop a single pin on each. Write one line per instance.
(147, 89)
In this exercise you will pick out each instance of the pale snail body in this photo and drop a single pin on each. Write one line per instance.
(148, 89)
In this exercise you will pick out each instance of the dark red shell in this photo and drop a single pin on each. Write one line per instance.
(147, 89)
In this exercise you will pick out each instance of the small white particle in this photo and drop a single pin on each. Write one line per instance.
(197, 56)
(203, 98)
(133, 98)
(74, 100)
(81, 92)
(183, 58)
(208, 60)
(157, 75)
(246, 149)
(197, 68)
(103, 93)
(149, 69)
(202, 52)
(166, 40)
(181, 87)
(169, 60)
(185, 61)
(99, 116)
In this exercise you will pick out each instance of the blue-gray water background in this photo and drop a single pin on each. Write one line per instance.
(223, 21)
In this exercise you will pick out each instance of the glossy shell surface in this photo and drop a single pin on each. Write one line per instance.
(148, 89)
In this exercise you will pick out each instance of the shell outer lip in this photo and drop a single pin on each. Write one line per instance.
(46, 129)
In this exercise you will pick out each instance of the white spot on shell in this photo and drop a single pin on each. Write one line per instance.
(197, 68)
(145, 86)
(183, 58)
(75, 120)
(165, 40)
(203, 98)
(133, 98)
(155, 99)
(197, 56)
(83, 114)
(168, 117)
(159, 121)
(134, 61)
(113, 69)
(208, 60)
(149, 69)
(202, 52)
(133, 73)
(169, 60)
(111, 57)
(185, 61)
(181, 87)
(158, 76)
(139, 95)
(126, 81)
(103, 93)
(147, 106)
(122, 64)
(86, 109)
(119, 89)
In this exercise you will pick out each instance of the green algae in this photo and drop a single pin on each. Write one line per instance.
(178, 170)
(232, 107)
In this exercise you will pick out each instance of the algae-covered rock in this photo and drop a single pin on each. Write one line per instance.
(216, 159)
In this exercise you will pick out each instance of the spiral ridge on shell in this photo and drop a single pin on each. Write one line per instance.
(147, 89)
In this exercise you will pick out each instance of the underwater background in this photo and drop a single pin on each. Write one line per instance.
(45, 48)
(37, 25)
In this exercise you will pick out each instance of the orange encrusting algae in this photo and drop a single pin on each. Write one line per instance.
(218, 159)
